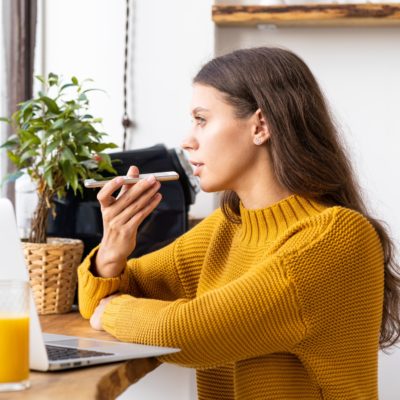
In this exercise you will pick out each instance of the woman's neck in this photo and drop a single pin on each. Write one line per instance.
(261, 191)
(258, 199)
(258, 187)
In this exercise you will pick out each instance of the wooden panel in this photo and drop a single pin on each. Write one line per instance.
(309, 15)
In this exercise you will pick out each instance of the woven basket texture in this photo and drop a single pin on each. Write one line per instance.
(53, 273)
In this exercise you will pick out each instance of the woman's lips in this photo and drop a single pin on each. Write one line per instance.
(197, 168)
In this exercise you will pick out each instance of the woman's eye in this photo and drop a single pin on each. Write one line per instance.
(199, 120)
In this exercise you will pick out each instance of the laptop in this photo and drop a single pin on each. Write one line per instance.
(49, 352)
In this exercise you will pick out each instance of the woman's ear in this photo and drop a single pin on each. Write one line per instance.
(261, 132)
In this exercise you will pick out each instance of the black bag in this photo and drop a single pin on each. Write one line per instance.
(80, 217)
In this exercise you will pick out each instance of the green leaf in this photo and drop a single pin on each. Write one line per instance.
(66, 169)
(58, 124)
(48, 176)
(51, 147)
(82, 97)
(49, 151)
(60, 193)
(27, 114)
(67, 85)
(68, 155)
(35, 124)
(99, 147)
(31, 144)
(25, 104)
(13, 157)
(74, 181)
(74, 80)
(83, 151)
(40, 78)
(52, 78)
(25, 135)
(3, 119)
(27, 155)
(9, 144)
(94, 90)
(82, 172)
(105, 164)
(51, 104)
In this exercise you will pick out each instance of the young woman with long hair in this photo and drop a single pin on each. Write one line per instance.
(290, 288)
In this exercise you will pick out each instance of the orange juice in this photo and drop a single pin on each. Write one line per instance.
(14, 348)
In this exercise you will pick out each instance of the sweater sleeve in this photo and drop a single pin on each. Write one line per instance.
(256, 314)
(92, 289)
(154, 275)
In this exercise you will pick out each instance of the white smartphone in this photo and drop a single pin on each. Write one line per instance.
(160, 176)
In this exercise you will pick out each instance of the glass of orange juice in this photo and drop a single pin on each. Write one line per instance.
(14, 335)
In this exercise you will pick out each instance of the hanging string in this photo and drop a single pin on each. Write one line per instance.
(126, 121)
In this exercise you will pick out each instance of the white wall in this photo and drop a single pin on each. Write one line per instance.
(359, 70)
(85, 39)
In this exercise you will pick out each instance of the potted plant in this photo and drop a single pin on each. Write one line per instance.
(57, 143)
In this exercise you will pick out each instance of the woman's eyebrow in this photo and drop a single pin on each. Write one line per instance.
(199, 109)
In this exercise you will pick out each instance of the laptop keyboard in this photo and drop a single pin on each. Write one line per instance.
(63, 353)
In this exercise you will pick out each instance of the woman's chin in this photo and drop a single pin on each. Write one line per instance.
(209, 187)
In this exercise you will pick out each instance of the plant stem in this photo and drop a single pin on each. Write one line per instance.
(39, 221)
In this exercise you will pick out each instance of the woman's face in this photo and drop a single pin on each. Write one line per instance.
(220, 145)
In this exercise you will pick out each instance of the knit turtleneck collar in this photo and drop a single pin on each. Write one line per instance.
(266, 224)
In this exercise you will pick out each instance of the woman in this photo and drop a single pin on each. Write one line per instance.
(285, 292)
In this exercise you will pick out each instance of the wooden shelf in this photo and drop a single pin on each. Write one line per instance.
(387, 14)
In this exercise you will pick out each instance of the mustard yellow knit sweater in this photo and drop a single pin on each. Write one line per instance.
(286, 305)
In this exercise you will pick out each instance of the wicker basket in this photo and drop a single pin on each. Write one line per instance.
(52, 273)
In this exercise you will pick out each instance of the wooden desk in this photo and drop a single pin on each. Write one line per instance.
(77, 383)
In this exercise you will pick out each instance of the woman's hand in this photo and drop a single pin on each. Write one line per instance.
(95, 319)
(121, 219)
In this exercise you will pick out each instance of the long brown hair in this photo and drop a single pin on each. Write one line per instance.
(307, 155)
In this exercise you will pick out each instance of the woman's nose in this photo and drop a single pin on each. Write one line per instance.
(189, 143)
(185, 145)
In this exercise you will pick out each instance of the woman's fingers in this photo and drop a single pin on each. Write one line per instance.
(140, 198)
(141, 189)
(133, 172)
(95, 319)
(104, 196)
(135, 204)
(138, 218)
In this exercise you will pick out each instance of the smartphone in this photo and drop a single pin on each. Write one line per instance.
(160, 176)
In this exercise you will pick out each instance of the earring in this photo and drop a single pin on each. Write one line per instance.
(258, 141)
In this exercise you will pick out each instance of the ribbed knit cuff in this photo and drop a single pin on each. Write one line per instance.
(91, 288)
(111, 312)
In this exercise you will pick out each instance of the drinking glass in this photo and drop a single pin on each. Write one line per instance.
(14, 335)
